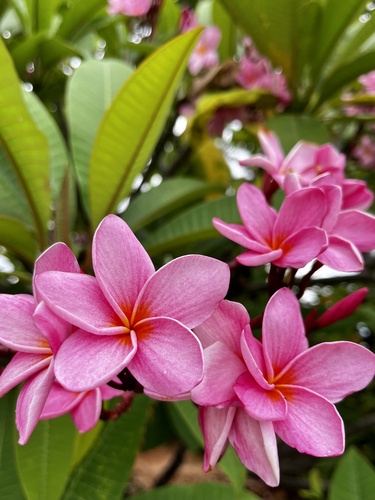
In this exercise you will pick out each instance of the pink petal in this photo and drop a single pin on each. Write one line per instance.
(301, 209)
(121, 264)
(17, 328)
(312, 425)
(31, 401)
(334, 200)
(283, 335)
(260, 403)
(87, 412)
(239, 234)
(341, 255)
(251, 258)
(55, 329)
(58, 257)
(343, 308)
(78, 299)
(252, 352)
(356, 195)
(255, 444)
(60, 401)
(169, 358)
(86, 361)
(256, 214)
(302, 247)
(300, 159)
(357, 227)
(187, 289)
(262, 162)
(271, 146)
(215, 425)
(225, 325)
(221, 369)
(22, 366)
(333, 369)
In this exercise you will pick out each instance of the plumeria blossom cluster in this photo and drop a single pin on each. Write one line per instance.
(170, 333)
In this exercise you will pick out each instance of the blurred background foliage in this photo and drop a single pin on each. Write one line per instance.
(99, 115)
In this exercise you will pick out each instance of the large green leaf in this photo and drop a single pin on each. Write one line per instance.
(44, 462)
(192, 225)
(185, 417)
(170, 196)
(86, 104)
(105, 471)
(353, 479)
(25, 146)
(17, 239)
(41, 13)
(75, 16)
(198, 491)
(220, 18)
(132, 125)
(10, 488)
(232, 466)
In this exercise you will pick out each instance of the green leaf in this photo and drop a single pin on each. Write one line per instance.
(132, 125)
(10, 488)
(86, 104)
(291, 128)
(18, 240)
(26, 51)
(41, 13)
(105, 471)
(44, 462)
(232, 466)
(222, 20)
(353, 479)
(25, 146)
(76, 15)
(170, 196)
(185, 417)
(198, 491)
(192, 225)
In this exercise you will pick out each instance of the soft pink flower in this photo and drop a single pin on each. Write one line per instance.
(205, 53)
(252, 390)
(29, 327)
(188, 20)
(290, 238)
(133, 8)
(368, 81)
(84, 407)
(364, 152)
(134, 317)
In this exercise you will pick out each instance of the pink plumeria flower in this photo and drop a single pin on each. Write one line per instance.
(29, 327)
(368, 81)
(84, 407)
(308, 161)
(134, 317)
(252, 391)
(205, 54)
(290, 238)
(342, 309)
(364, 152)
(132, 8)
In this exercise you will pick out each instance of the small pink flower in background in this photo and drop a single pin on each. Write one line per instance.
(134, 317)
(364, 152)
(36, 333)
(253, 390)
(133, 8)
(342, 309)
(368, 82)
(290, 238)
(356, 195)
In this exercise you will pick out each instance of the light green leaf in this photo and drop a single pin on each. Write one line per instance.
(27, 50)
(84, 442)
(232, 466)
(198, 491)
(186, 419)
(168, 19)
(132, 125)
(105, 471)
(76, 16)
(353, 479)
(291, 128)
(170, 196)
(17, 239)
(41, 13)
(222, 20)
(10, 487)
(86, 104)
(192, 225)
(44, 462)
(25, 146)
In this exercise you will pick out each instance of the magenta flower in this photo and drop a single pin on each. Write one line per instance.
(29, 327)
(252, 391)
(134, 317)
(342, 309)
(290, 238)
(132, 8)
(205, 54)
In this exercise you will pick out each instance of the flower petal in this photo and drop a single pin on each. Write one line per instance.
(31, 401)
(251, 258)
(302, 247)
(225, 325)
(221, 369)
(260, 403)
(283, 334)
(86, 361)
(169, 359)
(342, 255)
(87, 412)
(187, 289)
(17, 328)
(215, 425)
(333, 369)
(252, 352)
(358, 228)
(55, 329)
(239, 234)
(60, 401)
(22, 366)
(256, 446)
(78, 299)
(312, 425)
(121, 264)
